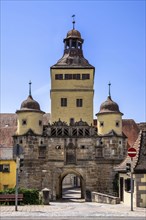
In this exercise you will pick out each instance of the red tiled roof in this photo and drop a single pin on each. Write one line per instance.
(8, 120)
(8, 126)
(131, 130)
(139, 163)
(6, 136)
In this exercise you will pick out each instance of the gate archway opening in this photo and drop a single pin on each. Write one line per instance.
(71, 186)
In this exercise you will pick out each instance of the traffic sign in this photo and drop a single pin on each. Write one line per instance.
(132, 152)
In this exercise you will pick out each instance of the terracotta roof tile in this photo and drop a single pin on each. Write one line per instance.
(131, 130)
(139, 161)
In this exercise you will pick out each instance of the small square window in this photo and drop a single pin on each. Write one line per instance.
(101, 123)
(117, 123)
(24, 122)
(6, 168)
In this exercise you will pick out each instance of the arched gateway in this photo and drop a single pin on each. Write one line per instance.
(60, 182)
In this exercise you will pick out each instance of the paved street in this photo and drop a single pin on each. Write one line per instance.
(71, 207)
(72, 210)
(73, 218)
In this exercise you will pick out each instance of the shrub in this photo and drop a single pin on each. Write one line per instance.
(30, 196)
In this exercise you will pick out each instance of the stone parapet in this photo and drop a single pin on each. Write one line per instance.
(104, 198)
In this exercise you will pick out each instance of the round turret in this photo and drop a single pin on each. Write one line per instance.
(30, 116)
(109, 117)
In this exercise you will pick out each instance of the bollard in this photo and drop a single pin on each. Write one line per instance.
(46, 196)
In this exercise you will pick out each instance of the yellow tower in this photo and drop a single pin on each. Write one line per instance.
(72, 80)
(29, 116)
(109, 117)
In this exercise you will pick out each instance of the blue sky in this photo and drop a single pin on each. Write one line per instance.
(32, 34)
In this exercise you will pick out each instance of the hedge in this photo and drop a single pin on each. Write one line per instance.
(30, 196)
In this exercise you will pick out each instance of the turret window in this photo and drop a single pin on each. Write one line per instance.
(101, 124)
(40, 123)
(63, 102)
(24, 122)
(117, 123)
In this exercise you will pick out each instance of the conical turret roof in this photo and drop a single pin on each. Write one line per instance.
(30, 103)
(109, 106)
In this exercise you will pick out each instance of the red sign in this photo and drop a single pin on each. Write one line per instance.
(131, 152)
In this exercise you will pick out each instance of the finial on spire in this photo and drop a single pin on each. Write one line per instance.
(109, 89)
(73, 16)
(30, 87)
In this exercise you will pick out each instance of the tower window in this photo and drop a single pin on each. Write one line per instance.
(59, 76)
(76, 76)
(63, 102)
(68, 76)
(117, 123)
(79, 102)
(85, 76)
(24, 122)
(101, 123)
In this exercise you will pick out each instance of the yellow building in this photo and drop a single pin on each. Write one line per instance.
(72, 81)
(7, 168)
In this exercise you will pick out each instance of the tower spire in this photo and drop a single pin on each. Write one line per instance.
(73, 16)
(109, 93)
(30, 87)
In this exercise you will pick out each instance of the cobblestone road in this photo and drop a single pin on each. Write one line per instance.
(85, 209)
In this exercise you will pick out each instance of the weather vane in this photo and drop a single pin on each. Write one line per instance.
(73, 16)
(109, 89)
(30, 87)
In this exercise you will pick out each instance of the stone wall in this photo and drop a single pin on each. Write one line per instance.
(50, 157)
(103, 198)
